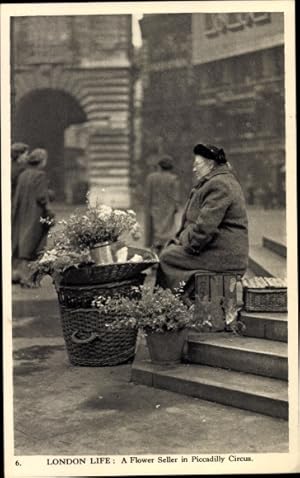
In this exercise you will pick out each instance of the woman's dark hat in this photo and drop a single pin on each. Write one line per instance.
(166, 162)
(210, 152)
(37, 156)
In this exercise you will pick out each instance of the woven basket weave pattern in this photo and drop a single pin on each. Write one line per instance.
(265, 300)
(108, 349)
(82, 296)
(102, 274)
(81, 322)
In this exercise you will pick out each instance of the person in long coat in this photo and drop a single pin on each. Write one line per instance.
(19, 156)
(162, 202)
(30, 204)
(213, 235)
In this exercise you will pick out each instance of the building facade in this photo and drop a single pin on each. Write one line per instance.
(219, 79)
(72, 93)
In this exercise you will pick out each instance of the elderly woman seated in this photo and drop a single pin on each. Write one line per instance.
(213, 235)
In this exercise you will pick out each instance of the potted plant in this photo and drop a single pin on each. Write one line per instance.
(160, 313)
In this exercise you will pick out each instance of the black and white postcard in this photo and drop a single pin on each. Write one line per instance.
(149, 228)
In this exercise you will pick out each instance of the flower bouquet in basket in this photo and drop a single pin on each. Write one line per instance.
(160, 313)
(96, 236)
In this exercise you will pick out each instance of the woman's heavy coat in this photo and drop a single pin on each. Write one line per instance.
(213, 235)
(29, 205)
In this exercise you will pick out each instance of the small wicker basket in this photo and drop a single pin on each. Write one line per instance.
(265, 294)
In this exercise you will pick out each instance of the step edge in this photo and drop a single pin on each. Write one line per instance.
(266, 268)
(242, 350)
(260, 249)
(257, 316)
(276, 241)
(207, 382)
(278, 247)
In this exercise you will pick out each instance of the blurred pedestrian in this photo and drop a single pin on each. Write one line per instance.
(19, 156)
(162, 203)
(249, 185)
(30, 204)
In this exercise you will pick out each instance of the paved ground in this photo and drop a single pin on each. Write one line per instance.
(61, 409)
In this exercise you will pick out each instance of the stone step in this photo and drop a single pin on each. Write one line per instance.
(107, 131)
(101, 88)
(31, 307)
(98, 142)
(107, 108)
(110, 170)
(264, 395)
(109, 147)
(244, 354)
(264, 262)
(106, 81)
(111, 163)
(109, 180)
(265, 325)
(108, 97)
(31, 302)
(275, 245)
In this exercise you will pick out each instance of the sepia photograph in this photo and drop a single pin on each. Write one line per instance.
(149, 238)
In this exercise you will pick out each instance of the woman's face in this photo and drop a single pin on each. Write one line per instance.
(202, 166)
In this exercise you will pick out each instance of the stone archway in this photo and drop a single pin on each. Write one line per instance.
(41, 117)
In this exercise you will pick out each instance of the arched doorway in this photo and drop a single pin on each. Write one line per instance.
(40, 121)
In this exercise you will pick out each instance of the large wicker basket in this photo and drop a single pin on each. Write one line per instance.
(101, 274)
(265, 294)
(88, 341)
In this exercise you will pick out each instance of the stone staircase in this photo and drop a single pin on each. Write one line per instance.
(108, 96)
(248, 371)
(269, 258)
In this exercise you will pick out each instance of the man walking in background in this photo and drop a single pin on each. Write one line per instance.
(162, 202)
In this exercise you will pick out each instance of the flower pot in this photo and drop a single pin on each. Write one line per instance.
(102, 253)
(166, 347)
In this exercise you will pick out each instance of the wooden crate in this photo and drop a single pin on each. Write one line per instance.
(217, 299)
